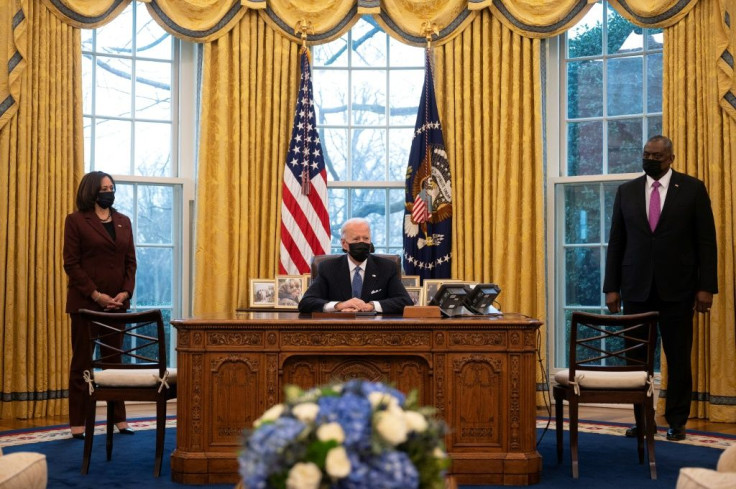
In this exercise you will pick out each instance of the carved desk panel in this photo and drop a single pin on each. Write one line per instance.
(478, 372)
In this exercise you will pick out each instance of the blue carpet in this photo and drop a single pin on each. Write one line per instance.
(606, 461)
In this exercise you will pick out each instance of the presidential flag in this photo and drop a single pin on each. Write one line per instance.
(428, 194)
(305, 225)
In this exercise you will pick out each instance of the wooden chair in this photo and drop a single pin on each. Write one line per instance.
(320, 258)
(605, 367)
(128, 363)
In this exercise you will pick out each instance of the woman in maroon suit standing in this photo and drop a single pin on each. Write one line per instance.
(99, 258)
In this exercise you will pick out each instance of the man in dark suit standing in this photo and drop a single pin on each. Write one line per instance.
(662, 257)
(358, 282)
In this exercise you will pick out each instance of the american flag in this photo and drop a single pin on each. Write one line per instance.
(428, 194)
(305, 224)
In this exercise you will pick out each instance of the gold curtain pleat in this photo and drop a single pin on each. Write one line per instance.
(488, 86)
(249, 90)
(41, 161)
(703, 135)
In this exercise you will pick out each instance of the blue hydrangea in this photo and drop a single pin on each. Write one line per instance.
(270, 449)
(354, 413)
(364, 388)
(389, 470)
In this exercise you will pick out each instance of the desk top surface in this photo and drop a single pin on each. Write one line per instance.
(299, 321)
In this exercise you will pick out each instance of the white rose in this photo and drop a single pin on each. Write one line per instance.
(391, 425)
(337, 463)
(377, 398)
(304, 476)
(270, 415)
(439, 453)
(415, 421)
(331, 431)
(306, 411)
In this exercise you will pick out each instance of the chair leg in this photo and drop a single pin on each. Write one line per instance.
(559, 425)
(109, 434)
(651, 428)
(89, 432)
(160, 434)
(573, 405)
(641, 427)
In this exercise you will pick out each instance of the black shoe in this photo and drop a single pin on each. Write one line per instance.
(78, 436)
(126, 431)
(676, 434)
(631, 432)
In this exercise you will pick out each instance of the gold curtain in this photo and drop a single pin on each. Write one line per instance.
(488, 86)
(249, 93)
(703, 134)
(41, 161)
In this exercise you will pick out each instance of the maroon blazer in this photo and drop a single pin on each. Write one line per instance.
(93, 261)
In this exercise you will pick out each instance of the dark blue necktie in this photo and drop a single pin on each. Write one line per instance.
(357, 283)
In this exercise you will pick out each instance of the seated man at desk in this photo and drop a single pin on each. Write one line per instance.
(357, 282)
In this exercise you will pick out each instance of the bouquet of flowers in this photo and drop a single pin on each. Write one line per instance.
(357, 435)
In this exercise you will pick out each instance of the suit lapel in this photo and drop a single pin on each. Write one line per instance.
(673, 193)
(370, 277)
(95, 224)
(640, 200)
(344, 285)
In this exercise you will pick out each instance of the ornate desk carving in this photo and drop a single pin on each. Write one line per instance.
(478, 372)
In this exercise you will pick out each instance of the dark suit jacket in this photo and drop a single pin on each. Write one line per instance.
(93, 261)
(678, 258)
(381, 283)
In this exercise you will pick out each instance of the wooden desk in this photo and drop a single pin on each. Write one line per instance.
(478, 372)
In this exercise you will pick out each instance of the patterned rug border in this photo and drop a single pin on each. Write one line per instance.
(53, 433)
(61, 432)
(696, 438)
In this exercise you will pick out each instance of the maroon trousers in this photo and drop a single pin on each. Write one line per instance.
(78, 388)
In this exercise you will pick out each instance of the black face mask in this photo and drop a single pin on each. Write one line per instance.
(653, 168)
(105, 199)
(360, 251)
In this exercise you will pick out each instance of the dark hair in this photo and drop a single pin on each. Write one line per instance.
(88, 189)
(667, 141)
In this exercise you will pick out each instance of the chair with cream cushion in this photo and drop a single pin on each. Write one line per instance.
(724, 477)
(602, 372)
(128, 364)
(23, 470)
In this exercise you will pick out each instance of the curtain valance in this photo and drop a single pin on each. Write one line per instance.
(13, 46)
(86, 14)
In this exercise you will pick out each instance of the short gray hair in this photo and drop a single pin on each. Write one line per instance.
(353, 220)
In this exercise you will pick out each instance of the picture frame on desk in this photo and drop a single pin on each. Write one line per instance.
(262, 292)
(416, 295)
(410, 281)
(431, 286)
(289, 291)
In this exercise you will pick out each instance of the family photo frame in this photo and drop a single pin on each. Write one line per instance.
(262, 292)
(289, 291)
